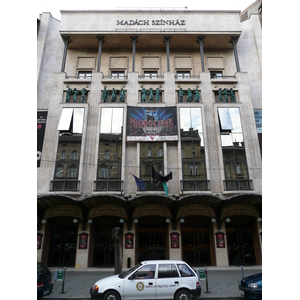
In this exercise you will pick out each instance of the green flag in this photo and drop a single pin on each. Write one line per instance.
(165, 186)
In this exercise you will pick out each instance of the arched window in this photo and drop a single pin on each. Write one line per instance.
(149, 153)
(72, 171)
(74, 155)
(63, 155)
(107, 155)
(59, 171)
(103, 171)
(160, 152)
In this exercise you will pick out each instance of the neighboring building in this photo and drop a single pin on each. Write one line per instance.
(122, 92)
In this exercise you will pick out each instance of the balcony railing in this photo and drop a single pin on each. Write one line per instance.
(195, 185)
(108, 185)
(240, 184)
(151, 186)
(65, 186)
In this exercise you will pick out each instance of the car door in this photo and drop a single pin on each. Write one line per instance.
(167, 282)
(139, 285)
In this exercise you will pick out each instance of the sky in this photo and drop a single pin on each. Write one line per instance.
(54, 6)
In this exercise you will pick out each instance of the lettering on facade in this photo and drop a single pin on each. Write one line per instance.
(153, 22)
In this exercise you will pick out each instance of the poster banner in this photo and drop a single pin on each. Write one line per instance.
(151, 124)
(41, 126)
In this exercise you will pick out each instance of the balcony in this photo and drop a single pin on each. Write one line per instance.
(114, 78)
(194, 185)
(238, 185)
(64, 186)
(81, 78)
(108, 185)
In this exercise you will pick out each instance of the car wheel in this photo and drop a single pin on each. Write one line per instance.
(183, 295)
(111, 295)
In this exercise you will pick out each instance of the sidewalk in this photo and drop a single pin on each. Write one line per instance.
(222, 282)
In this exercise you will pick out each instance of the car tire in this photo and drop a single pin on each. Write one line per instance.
(111, 295)
(183, 295)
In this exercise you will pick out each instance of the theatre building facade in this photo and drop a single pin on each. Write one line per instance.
(149, 125)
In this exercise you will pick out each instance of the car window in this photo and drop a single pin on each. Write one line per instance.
(185, 271)
(145, 272)
(125, 273)
(41, 269)
(167, 271)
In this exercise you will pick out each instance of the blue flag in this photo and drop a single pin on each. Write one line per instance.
(139, 182)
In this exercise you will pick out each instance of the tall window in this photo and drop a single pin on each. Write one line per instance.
(192, 149)
(156, 159)
(234, 155)
(69, 145)
(110, 144)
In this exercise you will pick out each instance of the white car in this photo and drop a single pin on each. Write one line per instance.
(152, 279)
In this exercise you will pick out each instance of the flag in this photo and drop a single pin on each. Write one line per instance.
(163, 179)
(139, 182)
(159, 177)
(166, 188)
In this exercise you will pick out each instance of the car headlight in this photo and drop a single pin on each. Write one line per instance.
(253, 285)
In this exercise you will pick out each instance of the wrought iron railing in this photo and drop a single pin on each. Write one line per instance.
(237, 184)
(64, 186)
(108, 185)
(195, 185)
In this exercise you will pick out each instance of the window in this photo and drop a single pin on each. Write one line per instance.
(192, 150)
(84, 74)
(72, 171)
(216, 74)
(69, 147)
(234, 155)
(117, 74)
(107, 155)
(63, 155)
(185, 271)
(103, 171)
(183, 74)
(110, 145)
(59, 172)
(160, 152)
(167, 271)
(149, 153)
(71, 121)
(150, 74)
(74, 155)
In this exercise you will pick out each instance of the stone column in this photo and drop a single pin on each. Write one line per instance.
(167, 41)
(200, 41)
(101, 41)
(133, 41)
(66, 42)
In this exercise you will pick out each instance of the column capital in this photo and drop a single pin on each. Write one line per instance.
(167, 39)
(133, 39)
(200, 39)
(100, 39)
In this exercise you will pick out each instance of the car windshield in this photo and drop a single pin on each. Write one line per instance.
(126, 273)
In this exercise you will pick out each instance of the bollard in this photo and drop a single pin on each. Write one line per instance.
(242, 268)
(63, 281)
(206, 280)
